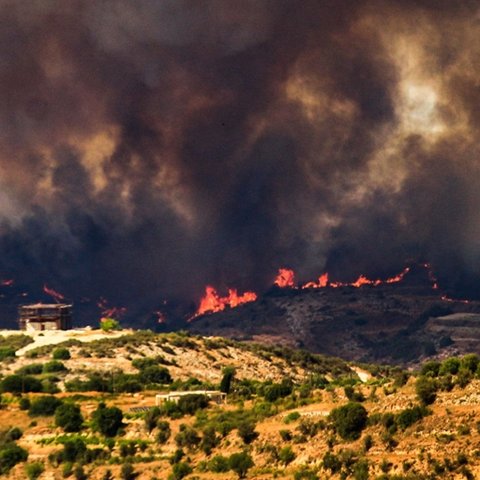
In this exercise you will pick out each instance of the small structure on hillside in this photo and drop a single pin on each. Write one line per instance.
(213, 395)
(41, 316)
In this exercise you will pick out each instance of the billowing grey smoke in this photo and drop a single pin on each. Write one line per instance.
(148, 148)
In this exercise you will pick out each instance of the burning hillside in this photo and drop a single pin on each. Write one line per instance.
(389, 320)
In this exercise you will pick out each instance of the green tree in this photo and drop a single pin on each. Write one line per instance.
(109, 324)
(187, 437)
(10, 455)
(44, 406)
(209, 440)
(151, 418)
(426, 389)
(164, 431)
(69, 417)
(349, 420)
(240, 463)
(227, 379)
(107, 420)
(20, 384)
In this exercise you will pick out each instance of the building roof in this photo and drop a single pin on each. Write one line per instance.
(47, 305)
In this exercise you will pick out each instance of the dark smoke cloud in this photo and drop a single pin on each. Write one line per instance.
(150, 147)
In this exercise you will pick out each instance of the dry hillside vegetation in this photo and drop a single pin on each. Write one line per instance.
(87, 411)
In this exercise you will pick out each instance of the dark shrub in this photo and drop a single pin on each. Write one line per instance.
(20, 384)
(180, 470)
(54, 366)
(164, 431)
(155, 374)
(218, 464)
(450, 365)
(10, 455)
(349, 420)
(246, 431)
(189, 404)
(32, 369)
(227, 379)
(107, 420)
(277, 390)
(69, 417)
(426, 389)
(34, 470)
(187, 437)
(44, 406)
(61, 353)
(127, 472)
(409, 416)
(240, 463)
(73, 449)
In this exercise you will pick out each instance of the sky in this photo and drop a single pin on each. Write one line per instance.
(149, 148)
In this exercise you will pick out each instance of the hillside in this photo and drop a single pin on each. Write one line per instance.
(390, 323)
(286, 416)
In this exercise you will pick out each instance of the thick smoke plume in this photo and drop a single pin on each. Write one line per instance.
(148, 148)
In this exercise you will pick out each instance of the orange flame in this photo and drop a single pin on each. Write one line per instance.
(323, 281)
(285, 278)
(58, 297)
(212, 302)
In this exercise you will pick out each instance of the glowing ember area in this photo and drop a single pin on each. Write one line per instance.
(58, 297)
(399, 277)
(285, 278)
(212, 302)
(6, 283)
(110, 312)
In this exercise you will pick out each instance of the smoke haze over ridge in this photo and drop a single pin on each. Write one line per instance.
(148, 148)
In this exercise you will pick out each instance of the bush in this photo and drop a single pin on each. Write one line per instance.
(187, 437)
(24, 403)
(246, 431)
(218, 464)
(189, 404)
(305, 473)
(291, 417)
(44, 406)
(151, 418)
(426, 389)
(209, 440)
(164, 431)
(349, 420)
(31, 369)
(73, 449)
(127, 472)
(409, 416)
(6, 352)
(34, 470)
(180, 470)
(10, 455)
(13, 434)
(277, 390)
(286, 455)
(20, 384)
(155, 374)
(69, 417)
(450, 365)
(240, 463)
(61, 353)
(54, 366)
(109, 324)
(79, 473)
(107, 421)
